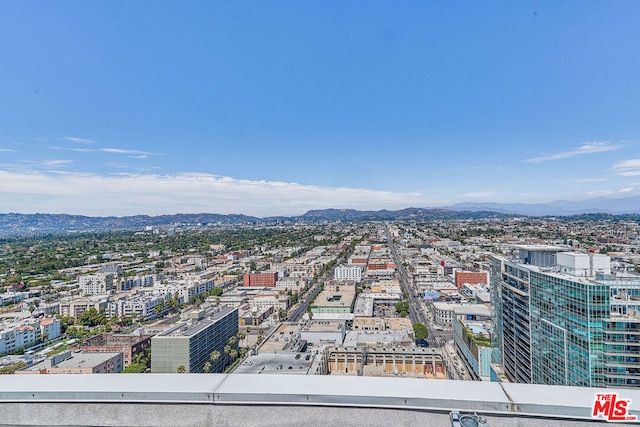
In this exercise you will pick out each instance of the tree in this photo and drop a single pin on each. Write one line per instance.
(135, 368)
(402, 308)
(182, 369)
(215, 356)
(207, 367)
(92, 317)
(140, 358)
(420, 331)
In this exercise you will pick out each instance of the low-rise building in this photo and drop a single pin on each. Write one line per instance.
(344, 272)
(77, 362)
(324, 332)
(268, 279)
(183, 289)
(21, 334)
(333, 302)
(128, 345)
(76, 307)
(144, 306)
(50, 328)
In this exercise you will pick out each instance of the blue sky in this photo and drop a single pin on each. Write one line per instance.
(263, 108)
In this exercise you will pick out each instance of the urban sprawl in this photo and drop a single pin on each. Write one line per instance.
(529, 300)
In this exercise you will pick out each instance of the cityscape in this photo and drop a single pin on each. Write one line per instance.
(517, 300)
(319, 213)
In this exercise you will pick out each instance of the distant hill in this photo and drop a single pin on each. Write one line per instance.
(408, 213)
(628, 205)
(14, 224)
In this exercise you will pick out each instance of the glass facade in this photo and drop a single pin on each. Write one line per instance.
(622, 351)
(567, 330)
(510, 283)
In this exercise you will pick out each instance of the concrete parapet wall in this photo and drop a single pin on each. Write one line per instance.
(212, 399)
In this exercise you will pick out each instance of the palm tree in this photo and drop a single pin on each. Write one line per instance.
(215, 356)
(233, 340)
(207, 367)
(233, 354)
(139, 358)
(182, 369)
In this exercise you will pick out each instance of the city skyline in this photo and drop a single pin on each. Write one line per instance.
(153, 109)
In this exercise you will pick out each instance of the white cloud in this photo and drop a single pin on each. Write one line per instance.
(6, 150)
(480, 194)
(600, 193)
(626, 190)
(92, 194)
(79, 140)
(627, 167)
(123, 151)
(587, 148)
(134, 154)
(590, 179)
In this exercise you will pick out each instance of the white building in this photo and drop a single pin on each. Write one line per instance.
(290, 284)
(96, 284)
(262, 302)
(127, 283)
(21, 334)
(51, 328)
(143, 306)
(348, 273)
(183, 289)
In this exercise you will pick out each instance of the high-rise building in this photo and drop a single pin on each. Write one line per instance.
(189, 344)
(552, 313)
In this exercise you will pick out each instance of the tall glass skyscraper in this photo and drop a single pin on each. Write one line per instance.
(559, 322)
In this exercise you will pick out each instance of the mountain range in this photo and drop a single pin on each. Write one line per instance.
(15, 224)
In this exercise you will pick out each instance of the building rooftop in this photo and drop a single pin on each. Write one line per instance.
(324, 326)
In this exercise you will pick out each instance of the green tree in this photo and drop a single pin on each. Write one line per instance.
(92, 317)
(402, 308)
(420, 331)
(135, 368)
(215, 356)
(182, 369)
(207, 367)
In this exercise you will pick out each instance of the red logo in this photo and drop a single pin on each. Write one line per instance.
(611, 408)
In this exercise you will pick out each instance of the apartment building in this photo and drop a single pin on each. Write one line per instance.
(96, 284)
(183, 289)
(344, 272)
(143, 306)
(190, 343)
(470, 277)
(261, 279)
(15, 335)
